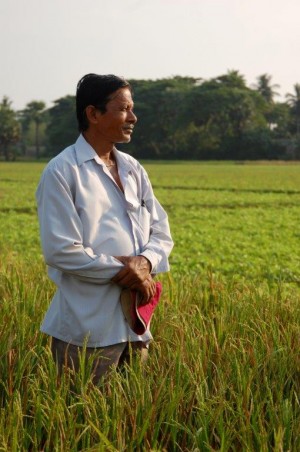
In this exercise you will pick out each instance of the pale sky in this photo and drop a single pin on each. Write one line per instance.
(47, 45)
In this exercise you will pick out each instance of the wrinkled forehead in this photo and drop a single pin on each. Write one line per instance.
(122, 95)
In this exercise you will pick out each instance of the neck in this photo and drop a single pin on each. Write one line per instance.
(102, 148)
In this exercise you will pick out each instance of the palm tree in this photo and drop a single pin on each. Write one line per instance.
(34, 112)
(294, 101)
(9, 128)
(265, 88)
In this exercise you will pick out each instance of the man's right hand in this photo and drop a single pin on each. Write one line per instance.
(136, 275)
(135, 271)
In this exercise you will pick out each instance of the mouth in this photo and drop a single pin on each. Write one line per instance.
(128, 129)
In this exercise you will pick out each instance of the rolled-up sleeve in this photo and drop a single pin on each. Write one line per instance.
(61, 233)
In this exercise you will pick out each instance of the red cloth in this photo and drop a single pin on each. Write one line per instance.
(139, 317)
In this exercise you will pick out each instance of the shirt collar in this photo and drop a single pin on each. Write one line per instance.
(85, 152)
(122, 161)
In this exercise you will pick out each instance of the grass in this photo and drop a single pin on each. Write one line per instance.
(223, 372)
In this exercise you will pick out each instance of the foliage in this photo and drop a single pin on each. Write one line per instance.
(34, 113)
(219, 118)
(265, 88)
(253, 211)
(294, 102)
(61, 128)
(9, 129)
(157, 105)
(185, 118)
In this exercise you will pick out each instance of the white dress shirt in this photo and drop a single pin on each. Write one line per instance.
(85, 220)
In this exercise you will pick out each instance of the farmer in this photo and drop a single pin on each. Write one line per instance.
(102, 229)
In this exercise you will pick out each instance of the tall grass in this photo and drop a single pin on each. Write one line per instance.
(223, 373)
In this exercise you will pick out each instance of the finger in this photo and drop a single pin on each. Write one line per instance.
(132, 274)
(137, 281)
(120, 272)
(125, 272)
(128, 281)
(143, 295)
(152, 289)
(148, 296)
(124, 282)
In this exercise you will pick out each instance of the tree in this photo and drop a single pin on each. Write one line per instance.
(279, 119)
(157, 105)
(233, 79)
(61, 127)
(34, 112)
(9, 129)
(294, 102)
(185, 117)
(267, 93)
(223, 109)
(265, 88)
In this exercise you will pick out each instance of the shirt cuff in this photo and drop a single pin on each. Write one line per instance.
(152, 258)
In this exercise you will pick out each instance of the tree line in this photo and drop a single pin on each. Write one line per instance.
(178, 118)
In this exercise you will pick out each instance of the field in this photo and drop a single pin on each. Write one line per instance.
(224, 371)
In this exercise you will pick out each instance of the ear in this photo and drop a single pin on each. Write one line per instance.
(92, 114)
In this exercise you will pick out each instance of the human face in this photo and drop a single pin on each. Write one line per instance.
(117, 123)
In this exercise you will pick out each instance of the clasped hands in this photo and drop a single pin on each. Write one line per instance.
(136, 275)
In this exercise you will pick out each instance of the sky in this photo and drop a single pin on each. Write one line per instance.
(46, 46)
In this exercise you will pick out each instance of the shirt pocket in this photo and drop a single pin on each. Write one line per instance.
(144, 223)
(141, 222)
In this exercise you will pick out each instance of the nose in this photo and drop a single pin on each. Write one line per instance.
(131, 117)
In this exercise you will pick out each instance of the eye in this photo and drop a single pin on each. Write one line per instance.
(127, 108)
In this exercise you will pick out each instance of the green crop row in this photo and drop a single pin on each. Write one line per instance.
(234, 220)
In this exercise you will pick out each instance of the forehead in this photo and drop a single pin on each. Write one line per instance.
(122, 95)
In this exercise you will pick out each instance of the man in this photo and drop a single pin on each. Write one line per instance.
(102, 230)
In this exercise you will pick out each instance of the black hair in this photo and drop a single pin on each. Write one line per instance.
(93, 89)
